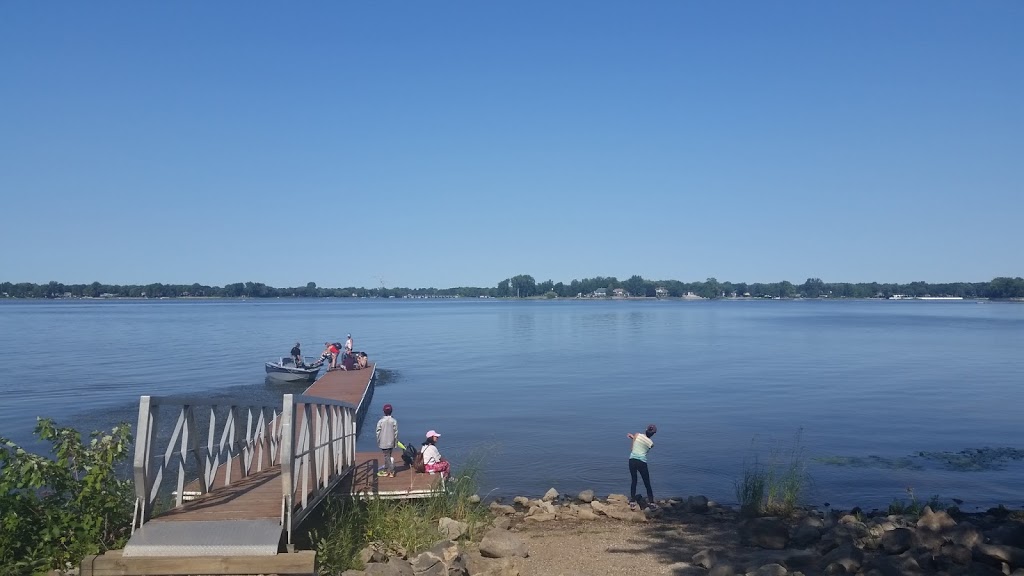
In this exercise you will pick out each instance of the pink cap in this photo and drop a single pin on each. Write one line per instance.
(433, 433)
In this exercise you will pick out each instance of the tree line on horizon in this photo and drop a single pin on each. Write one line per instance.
(525, 286)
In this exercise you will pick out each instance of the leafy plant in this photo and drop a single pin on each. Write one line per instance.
(56, 510)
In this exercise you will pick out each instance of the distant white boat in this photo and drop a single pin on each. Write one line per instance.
(939, 298)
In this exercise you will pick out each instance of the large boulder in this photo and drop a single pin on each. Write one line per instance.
(451, 529)
(521, 501)
(771, 570)
(768, 533)
(697, 504)
(502, 509)
(550, 495)
(477, 565)
(503, 544)
(706, 558)
(935, 521)
(804, 535)
(587, 496)
(996, 554)
(897, 541)
(847, 555)
(393, 567)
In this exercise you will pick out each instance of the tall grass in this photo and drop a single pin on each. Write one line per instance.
(409, 526)
(774, 488)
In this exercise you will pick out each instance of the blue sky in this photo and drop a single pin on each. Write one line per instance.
(458, 143)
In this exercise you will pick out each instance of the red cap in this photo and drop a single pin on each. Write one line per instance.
(387, 408)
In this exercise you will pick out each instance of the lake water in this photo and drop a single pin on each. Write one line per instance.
(545, 391)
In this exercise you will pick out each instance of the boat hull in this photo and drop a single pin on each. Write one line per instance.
(276, 371)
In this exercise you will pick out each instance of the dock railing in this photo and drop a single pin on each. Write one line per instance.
(317, 457)
(243, 439)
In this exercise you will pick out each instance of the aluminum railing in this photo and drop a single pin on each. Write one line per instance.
(317, 457)
(226, 445)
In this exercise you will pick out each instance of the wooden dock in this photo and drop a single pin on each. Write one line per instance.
(249, 510)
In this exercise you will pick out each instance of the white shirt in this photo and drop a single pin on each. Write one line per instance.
(431, 455)
(348, 345)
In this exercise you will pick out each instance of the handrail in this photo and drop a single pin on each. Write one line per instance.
(252, 449)
(319, 449)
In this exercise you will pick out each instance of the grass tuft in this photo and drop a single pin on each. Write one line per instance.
(408, 526)
(774, 488)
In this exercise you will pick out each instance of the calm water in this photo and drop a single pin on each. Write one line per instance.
(545, 392)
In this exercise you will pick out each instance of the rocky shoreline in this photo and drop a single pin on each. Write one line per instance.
(696, 536)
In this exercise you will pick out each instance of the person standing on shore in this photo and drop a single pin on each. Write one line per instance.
(387, 437)
(642, 444)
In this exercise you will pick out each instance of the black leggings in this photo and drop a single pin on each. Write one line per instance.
(639, 466)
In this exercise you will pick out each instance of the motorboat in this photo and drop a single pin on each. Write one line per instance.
(285, 370)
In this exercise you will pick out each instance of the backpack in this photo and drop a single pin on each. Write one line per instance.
(409, 454)
(417, 463)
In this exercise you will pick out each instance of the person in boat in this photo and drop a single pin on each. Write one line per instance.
(296, 355)
(334, 350)
(433, 462)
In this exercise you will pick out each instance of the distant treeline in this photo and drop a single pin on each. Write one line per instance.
(524, 286)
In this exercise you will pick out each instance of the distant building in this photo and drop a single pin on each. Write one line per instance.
(619, 293)
(600, 293)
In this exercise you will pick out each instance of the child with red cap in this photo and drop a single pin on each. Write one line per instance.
(387, 437)
(642, 444)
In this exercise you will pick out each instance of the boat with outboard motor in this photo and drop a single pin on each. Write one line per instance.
(285, 370)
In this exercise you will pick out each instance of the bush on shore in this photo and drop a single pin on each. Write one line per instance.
(408, 526)
(56, 510)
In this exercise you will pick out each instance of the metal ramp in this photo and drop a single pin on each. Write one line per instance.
(206, 538)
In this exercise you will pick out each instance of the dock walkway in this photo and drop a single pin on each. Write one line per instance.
(248, 517)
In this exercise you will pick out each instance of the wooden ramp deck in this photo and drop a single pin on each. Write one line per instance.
(245, 517)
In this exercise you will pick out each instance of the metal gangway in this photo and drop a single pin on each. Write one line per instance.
(228, 477)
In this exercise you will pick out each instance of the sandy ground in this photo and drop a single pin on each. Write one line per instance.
(610, 547)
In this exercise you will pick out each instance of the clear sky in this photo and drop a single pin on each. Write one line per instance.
(459, 143)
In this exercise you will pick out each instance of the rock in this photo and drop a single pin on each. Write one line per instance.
(995, 554)
(804, 535)
(541, 517)
(587, 496)
(625, 514)
(801, 559)
(502, 509)
(600, 508)
(768, 533)
(477, 565)
(935, 521)
(428, 563)
(835, 569)
(967, 535)
(474, 499)
(617, 498)
(502, 523)
(722, 570)
(654, 512)
(697, 504)
(848, 519)
(391, 568)
(771, 570)
(957, 553)
(706, 558)
(893, 566)
(584, 514)
(370, 555)
(846, 555)
(502, 544)
(550, 495)
(521, 501)
(451, 529)
(897, 541)
(1007, 535)
(353, 573)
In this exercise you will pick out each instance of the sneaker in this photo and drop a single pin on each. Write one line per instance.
(382, 473)
(632, 505)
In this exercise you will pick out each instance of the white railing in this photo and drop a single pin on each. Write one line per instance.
(319, 453)
(239, 440)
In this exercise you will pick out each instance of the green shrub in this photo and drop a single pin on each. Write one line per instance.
(410, 525)
(54, 511)
(775, 488)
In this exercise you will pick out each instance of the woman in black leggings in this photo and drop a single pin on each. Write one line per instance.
(642, 444)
